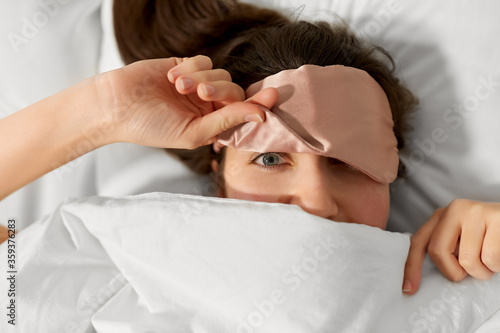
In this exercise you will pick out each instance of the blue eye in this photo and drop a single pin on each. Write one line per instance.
(269, 160)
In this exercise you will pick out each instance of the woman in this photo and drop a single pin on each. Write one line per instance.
(184, 103)
(252, 43)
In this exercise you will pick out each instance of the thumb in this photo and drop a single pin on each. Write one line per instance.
(233, 114)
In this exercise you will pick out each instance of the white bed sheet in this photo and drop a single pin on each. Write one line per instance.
(443, 49)
(170, 262)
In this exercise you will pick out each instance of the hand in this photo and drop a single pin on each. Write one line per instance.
(461, 239)
(175, 103)
(136, 103)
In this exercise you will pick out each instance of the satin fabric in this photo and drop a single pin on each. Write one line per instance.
(334, 111)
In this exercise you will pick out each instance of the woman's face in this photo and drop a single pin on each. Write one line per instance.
(319, 185)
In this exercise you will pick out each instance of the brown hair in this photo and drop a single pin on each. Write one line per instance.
(251, 43)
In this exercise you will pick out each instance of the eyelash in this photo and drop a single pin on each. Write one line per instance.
(268, 168)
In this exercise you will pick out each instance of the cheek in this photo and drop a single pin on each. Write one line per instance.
(372, 205)
(248, 182)
(252, 186)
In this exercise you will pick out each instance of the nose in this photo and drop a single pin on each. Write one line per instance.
(314, 193)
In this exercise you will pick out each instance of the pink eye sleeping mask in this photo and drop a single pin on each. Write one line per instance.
(334, 111)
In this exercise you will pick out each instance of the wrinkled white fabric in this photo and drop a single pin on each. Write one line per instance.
(165, 262)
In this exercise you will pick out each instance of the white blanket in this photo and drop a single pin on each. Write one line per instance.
(177, 263)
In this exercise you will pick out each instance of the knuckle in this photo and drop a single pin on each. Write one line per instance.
(225, 75)
(204, 59)
(225, 124)
(491, 259)
(241, 93)
(467, 261)
(476, 208)
(456, 276)
(192, 142)
(217, 75)
(440, 211)
(193, 145)
(465, 205)
(190, 145)
(434, 252)
(457, 204)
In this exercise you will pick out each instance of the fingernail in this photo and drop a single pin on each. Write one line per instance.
(209, 90)
(407, 286)
(173, 75)
(254, 117)
(186, 83)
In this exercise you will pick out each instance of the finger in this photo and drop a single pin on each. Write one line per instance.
(223, 92)
(471, 243)
(490, 254)
(191, 65)
(266, 97)
(416, 254)
(443, 244)
(188, 83)
(205, 129)
(229, 116)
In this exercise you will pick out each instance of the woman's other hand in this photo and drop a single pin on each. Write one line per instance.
(175, 103)
(461, 239)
